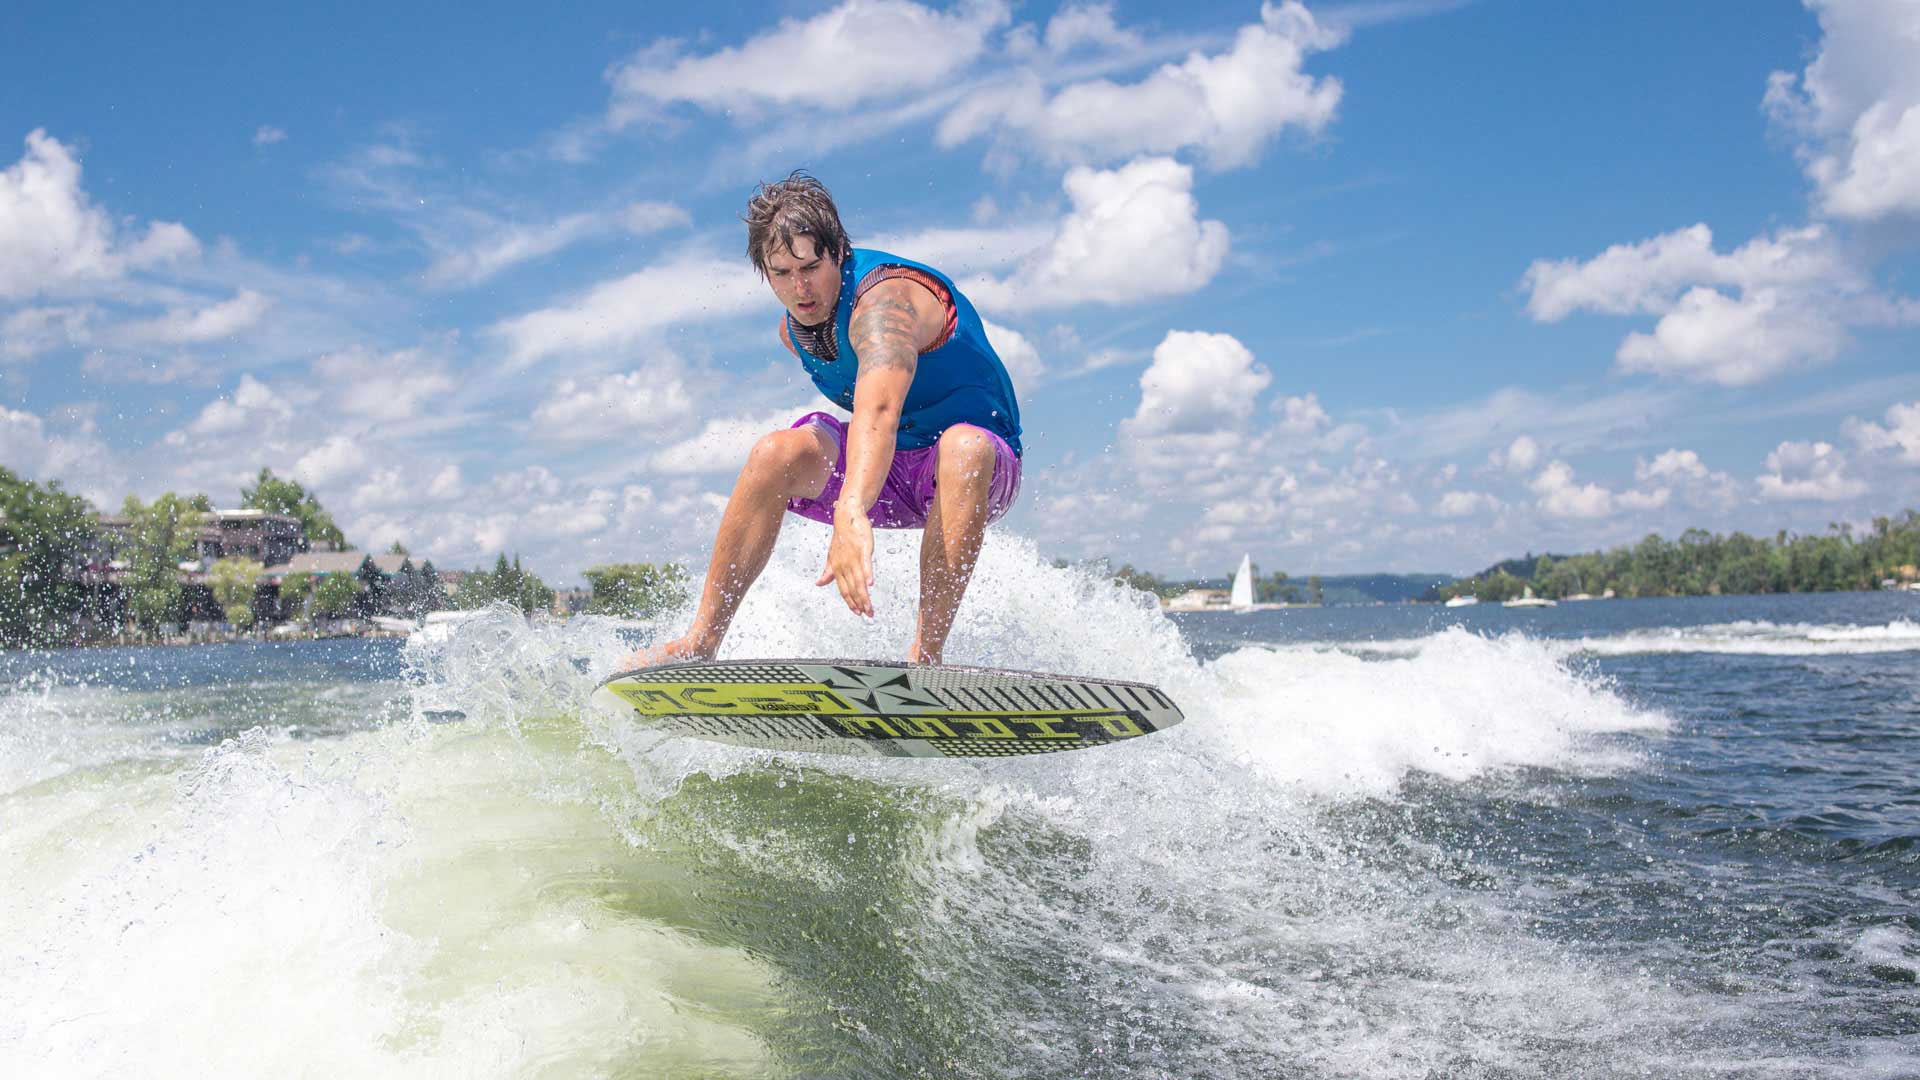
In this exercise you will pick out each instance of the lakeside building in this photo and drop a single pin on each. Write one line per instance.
(277, 542)
(268, 539)
(348, 563)
(1201, 600)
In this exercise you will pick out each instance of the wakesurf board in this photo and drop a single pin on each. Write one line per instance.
(869, 708)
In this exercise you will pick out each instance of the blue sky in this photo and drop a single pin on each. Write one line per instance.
(1385, 285)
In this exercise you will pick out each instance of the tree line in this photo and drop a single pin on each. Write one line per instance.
(1701, 563)
(57, 587)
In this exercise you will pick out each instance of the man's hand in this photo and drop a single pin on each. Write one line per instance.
(850, 559)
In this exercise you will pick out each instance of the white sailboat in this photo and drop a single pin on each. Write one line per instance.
(1242, 598)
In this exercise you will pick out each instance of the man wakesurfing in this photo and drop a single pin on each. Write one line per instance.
(934, 443)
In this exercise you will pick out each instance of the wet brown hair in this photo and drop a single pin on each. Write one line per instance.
(796, 206)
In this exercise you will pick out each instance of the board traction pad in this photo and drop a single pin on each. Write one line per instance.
(887, 709)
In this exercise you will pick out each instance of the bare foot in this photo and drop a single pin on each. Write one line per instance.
(679, 650)
(917, 654)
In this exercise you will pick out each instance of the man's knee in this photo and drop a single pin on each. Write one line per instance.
(966, 452)
(791, 456)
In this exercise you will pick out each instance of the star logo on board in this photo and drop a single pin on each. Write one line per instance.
(899, 689)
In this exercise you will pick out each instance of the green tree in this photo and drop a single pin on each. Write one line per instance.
(1140, 579)
(1499, 586)
(294, 590)
(1704, 563)
(530, 593)
(45, 537)
(403, 596)
(1314, 590)
(509, 583)
(277, 496)
(1273, 589)
(160, 536)
(636, 590)
(373, 588)
(234, 583)
(433, 591)
(335, 596)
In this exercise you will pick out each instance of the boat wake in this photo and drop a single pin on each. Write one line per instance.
(1763, 638)
(1289, 882)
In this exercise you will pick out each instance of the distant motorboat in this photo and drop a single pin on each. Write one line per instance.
(1527, 599)
(1242, 598)
(1462, 601)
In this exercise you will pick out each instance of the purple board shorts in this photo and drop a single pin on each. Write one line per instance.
(907, 495)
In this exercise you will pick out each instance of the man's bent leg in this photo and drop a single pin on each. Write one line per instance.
(791, 464)
(956, 525)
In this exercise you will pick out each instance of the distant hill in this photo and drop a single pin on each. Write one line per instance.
(1522, 567)
(1525, 568)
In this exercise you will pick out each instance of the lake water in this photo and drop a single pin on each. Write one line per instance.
(1615, 838)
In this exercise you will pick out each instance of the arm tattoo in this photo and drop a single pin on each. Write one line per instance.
(883, 332)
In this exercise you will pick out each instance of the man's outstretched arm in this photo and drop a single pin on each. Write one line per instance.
(890, 325)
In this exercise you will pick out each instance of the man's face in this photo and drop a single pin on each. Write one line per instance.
(807, 282)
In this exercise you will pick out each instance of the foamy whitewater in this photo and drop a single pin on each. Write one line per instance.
(1613, 842)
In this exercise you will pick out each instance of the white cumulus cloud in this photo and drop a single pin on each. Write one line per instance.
(194, 326)
(1022, 360)
(76, 457)
(390, 386)
(1301, 417)
(1197, 383)
(505, 246)
(1521, 455)
(1226, 106)
(1454, 504)
(857, 51)
(623, 311)
(1562, 496)
(53, 238)
(634, 405)
(1134, 233)
(1901, 433)
(1771, 305)
(252, 405)
(1076, 25)
(29, 332)
(1808, 470)
(499, 246)
(334, 462)
(1683, 471)
(721, 444)
(1856, 109)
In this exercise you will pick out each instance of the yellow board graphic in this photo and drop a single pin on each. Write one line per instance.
(732, 699)
(868, 709)
(1005, 725)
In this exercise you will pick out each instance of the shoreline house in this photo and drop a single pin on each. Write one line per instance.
(278, 542)
(1201, 600)
(268, 539)
(324, 563)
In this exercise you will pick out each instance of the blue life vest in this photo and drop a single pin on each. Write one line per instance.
(961, 382)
